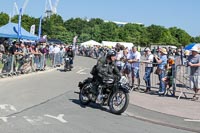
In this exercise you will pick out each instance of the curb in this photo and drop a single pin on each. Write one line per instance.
(26, 75)
(157, 122)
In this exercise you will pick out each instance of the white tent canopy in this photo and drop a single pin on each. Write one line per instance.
(113, 44)
(90, 43)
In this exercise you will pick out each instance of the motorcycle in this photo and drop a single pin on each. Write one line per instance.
(67, 65)
(114, 94)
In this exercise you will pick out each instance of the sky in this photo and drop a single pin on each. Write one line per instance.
(184, 14)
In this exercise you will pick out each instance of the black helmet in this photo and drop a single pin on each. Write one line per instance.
(111, 53)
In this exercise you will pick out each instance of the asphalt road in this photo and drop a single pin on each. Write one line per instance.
(47, 102)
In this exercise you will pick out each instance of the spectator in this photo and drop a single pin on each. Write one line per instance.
(126, 70)
(134, 60)
(162, 61)
(170, 67)
(119, 55)
(2, 48)
(2, 51)
(148, 68)
(187, 53)
(194, 63)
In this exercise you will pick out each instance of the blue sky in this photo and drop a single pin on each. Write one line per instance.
(184, 14)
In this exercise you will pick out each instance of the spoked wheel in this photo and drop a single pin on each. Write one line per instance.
(119, 102)
(83, 95)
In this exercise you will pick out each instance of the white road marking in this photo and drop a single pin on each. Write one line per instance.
(35, 120)
(82, 71)
(191, 120)
(59, 117)
(7, 107)
(5, 119)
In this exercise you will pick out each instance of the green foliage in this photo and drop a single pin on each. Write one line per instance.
(108, 31)
(76, 25)
(97, 29)
(181, 36)
(196, 39)
(4, 18)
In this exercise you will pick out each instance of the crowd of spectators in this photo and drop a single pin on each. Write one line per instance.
(19, 56)
(160, 60)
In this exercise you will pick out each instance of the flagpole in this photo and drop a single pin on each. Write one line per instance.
(19, 24)
(40, 26)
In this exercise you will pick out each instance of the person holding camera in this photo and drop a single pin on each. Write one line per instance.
(162, 62)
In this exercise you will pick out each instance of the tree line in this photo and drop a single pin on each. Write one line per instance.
(98, 30)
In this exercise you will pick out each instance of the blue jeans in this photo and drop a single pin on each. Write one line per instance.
(162, 84)
(147, 79)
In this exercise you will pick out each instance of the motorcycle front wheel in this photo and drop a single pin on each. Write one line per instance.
(83, 95)
(118, 102)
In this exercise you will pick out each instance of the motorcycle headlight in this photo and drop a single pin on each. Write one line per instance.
(123, 80)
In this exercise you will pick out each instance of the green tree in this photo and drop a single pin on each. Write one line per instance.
(26, 21)
(54, 28)
(161, 35)
(84, 37)
(182, 36)
(108, 31)
(57, 20)
(196, 39)
(76, 25)
(135, 33)
(96, 29)
(95, 21)
(4, 18)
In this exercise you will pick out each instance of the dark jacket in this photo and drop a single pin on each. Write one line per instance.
(69, 54)
(107, 69)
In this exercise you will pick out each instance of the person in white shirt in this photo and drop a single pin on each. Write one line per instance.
(148, 68)
(51, 53)
(134, 59)
(118, 60)
(57, 55)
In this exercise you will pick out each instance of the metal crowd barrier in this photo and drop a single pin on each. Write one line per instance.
(9, 65)
(154, 79)
(182, 81)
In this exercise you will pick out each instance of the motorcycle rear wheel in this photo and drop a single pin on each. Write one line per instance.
(118, 102)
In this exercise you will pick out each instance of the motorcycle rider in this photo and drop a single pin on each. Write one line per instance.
(69, 53)
(105, 69)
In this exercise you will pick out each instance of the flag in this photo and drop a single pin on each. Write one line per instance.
(40, 26)
(19, 24)
(32, 29)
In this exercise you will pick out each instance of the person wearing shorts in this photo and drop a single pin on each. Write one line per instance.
(194, 63)
(134, 59)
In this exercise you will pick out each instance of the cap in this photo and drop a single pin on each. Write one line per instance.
(147, 49)
(195, 49)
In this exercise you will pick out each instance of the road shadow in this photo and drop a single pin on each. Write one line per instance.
(182, 86)
(62, 70)
(90, 105)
